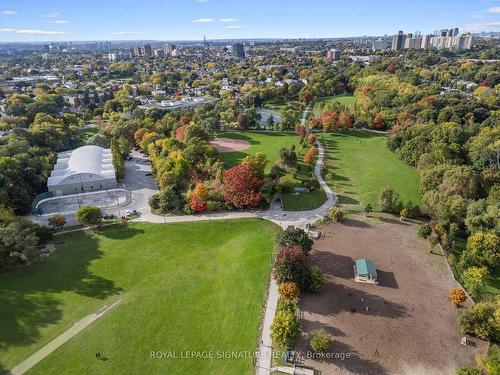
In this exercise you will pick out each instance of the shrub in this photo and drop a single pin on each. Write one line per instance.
(124, 222)
(389, 200)
(335, 214)
(320, 341)
(289, 265)
(457, 296)
(89, 215)
(483, 249)
(480, 320)
(287, 305)
(409, 212)
(289, 290)
(425, 230)
(214, 206)
(368, 208)
(315, 279)
(57, 222)
(294, 236)
(467, 370)
(165, 200)
(285, 329)
(474, 281)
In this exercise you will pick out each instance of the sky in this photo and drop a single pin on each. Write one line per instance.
(57, 20)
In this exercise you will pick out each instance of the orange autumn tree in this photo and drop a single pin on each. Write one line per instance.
(199, 198)
(310, 155)
(457, 296)
(289, 290)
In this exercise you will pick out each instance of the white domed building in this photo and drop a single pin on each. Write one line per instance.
(86, 169)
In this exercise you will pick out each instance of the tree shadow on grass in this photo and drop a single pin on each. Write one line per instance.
(119, 232)
(29, 298)
(343, 199)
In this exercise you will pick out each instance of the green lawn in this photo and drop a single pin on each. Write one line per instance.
(302, 201)
(361, 164)
(269, 143)
(86, 134)
(325, 101)
(347, 100)
(184, 287)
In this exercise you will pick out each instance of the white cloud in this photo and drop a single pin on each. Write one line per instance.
(33, 32)
(203, 20)
(478, 27)
(9, 13)
(51, 15)
(125, 33)
(234, 27)
(494, 10)
(228, 19)
(59, 22)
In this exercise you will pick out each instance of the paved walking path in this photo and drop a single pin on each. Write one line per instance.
(60, 340)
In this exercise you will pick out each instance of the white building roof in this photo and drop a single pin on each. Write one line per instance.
(89, 163)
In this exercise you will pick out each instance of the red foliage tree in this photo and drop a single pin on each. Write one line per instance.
(180, 133)
(391, 68)
(345, 120)
(241, 186)
(311, 138)
(301, 131)
(198, 204)
(378, 122)
(307, 97)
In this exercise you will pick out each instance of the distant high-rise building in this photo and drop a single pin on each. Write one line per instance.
(379, 44)
(238, 51)
(205, 43)
(455, 31)
(168, 48)
(398, 41)
(148, 51)
(136, 51)
(158, 53)
(426, 41)
(333, 54)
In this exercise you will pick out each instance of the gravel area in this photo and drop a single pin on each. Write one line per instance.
(404, 325)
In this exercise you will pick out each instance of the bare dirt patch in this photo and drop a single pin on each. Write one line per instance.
(405, 325)
(230, 145)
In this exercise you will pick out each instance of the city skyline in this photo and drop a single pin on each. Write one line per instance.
(221, 19)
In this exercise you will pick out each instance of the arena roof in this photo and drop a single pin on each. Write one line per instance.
(88, 163)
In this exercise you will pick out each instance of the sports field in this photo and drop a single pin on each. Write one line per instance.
(184, 287)
(269, 143)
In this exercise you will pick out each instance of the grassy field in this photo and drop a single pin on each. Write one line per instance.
(361, 164)
(85, 134)
(184, 287)
(302, 201)
(269, 143)
(347, 100)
